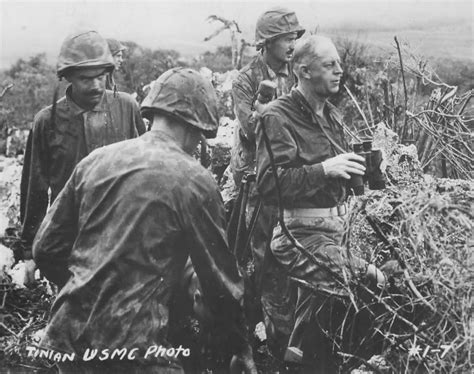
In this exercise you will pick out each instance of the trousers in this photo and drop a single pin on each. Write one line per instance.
(325, 322)
(276, 293)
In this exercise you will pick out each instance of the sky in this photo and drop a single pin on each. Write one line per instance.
(31, 27)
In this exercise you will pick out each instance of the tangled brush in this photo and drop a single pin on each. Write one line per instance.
(427, 306)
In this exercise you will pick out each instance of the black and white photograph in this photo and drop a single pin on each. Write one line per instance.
(242, 187)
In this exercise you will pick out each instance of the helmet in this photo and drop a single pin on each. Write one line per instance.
(87, 49)
(276, 22)
(115, 46)
(184, 94)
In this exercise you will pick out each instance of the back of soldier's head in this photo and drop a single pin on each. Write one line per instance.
(187, 96)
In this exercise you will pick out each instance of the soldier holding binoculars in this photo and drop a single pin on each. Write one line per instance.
(305, 136)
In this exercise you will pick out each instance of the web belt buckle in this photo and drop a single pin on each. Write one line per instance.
(341, 209)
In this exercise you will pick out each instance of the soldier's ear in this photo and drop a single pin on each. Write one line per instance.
(266, 45)
(302, 71)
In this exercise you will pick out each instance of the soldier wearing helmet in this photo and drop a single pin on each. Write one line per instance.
(276, 32)
(117, 49)
(119, 234)
(86, 118)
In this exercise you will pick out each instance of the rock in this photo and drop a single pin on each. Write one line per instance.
(407, 167)
(38, 335)
(229, 190)
(401, 162)
(19, 274)
(223, 84)
(220, 147)
(6, 261)
(206, 73)
(10, 175)
(260, 332)
(16, 142)
(24, 273)
(223, 81)
(4, 222)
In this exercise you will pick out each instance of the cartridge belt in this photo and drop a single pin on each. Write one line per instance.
(339, 210)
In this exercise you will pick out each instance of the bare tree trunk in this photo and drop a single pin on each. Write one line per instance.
(444, 168)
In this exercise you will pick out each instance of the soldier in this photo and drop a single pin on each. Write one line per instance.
(117, 49)
(276, 32)
(307, 141)
(275, 35)
(118, 236)
(86, 118)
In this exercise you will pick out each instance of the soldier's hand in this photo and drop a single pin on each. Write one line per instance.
(341, 166)
(243, 363)
(376, 276)
(30, 268)
(258, 108)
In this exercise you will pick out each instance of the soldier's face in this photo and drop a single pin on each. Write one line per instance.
(281, 48)
(118, 59)
(325, 71)
(88, 86)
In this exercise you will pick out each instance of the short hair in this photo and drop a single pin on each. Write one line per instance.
(307, 48)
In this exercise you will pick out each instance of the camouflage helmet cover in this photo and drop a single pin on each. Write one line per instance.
(115, 46)
(184, 94)
(84, 50)
(275, 22)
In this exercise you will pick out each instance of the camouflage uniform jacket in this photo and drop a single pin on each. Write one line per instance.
(53, 151)
(118, 237)
(244, 90)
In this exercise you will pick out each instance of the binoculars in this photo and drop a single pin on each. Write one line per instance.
(373, 175)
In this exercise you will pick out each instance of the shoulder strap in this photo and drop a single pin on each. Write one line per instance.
(303, 104)
(331, 139)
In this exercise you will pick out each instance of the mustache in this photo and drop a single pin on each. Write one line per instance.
(95, 93)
